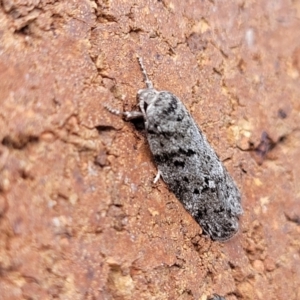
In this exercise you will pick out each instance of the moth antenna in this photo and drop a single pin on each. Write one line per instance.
(148, 82)
(113, 111)
(127, 115)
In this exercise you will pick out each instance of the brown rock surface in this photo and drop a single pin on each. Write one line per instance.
(79, 215)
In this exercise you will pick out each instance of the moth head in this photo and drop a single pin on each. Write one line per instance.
(147, 97)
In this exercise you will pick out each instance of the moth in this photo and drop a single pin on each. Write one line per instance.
(186, 161)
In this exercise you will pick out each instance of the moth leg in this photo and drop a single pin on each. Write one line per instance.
(157, 177)
(131, 115)
(128, 115)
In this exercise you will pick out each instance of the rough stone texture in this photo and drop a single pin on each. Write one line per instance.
(79, 215)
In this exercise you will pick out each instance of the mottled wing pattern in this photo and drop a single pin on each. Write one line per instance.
(191, 168)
